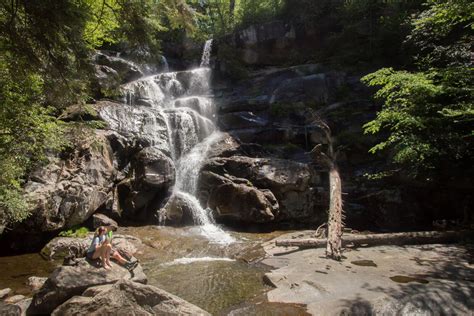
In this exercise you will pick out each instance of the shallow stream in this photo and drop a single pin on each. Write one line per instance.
(224, 279)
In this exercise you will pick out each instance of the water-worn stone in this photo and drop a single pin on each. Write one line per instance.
(61, 247)
(67, 281)
(177, 210)
(102, 220)
(128, 298)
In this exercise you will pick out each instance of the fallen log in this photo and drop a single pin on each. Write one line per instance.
(369, 240)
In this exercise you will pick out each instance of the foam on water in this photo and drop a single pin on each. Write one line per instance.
(193, 260)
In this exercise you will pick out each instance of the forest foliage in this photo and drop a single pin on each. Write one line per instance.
(428, 112)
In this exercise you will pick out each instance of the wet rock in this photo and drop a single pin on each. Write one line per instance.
(178, 210)
(145, 127)
(68, 191)
(24, 304)
(61, 247)
(68, 281)
(4, 293)
(195, 82)
(35, 283)
(242, 203)
(129, 298)
(102, 220)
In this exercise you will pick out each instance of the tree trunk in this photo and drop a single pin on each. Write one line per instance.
(333, 248)
(370, 240)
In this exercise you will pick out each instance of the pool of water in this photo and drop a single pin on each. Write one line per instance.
(224, 279)
(221, 279)
(15, 271)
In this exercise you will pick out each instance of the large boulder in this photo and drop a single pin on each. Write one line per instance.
(61, 247)
(153, 169)
(178, 209)
(99, 219)
(153, 175)
(68, 191)
(243, 203)
(297, 188)
(127, 298)
(68, 281)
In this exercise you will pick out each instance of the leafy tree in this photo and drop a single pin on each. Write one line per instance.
(27, 132)
(428, 114)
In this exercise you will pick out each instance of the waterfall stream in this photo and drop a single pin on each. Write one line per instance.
(174, 112)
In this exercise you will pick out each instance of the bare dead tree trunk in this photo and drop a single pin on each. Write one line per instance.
(335, 215)
(333, 247)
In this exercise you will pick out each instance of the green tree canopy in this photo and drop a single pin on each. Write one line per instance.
(428, 114)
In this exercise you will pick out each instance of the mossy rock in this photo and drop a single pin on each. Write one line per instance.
(80, 112)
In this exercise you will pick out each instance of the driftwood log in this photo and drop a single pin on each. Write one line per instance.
(369, 240)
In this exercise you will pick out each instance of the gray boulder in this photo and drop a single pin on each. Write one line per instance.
(102, 220)
(68, 281)
(127, 298)
(297, 188)
(67, 192)
(153, 169)
(60, 247)
(243, 203)
(178, 209)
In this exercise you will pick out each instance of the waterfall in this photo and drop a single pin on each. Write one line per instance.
(206, 53)
(173, 111)
(164, 61)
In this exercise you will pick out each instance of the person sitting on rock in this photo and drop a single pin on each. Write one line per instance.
(116, 254)
(100, 248)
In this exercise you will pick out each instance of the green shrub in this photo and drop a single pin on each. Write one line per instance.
(75, 231)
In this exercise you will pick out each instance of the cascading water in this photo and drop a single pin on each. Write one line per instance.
(174, 112)
(206, 53)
